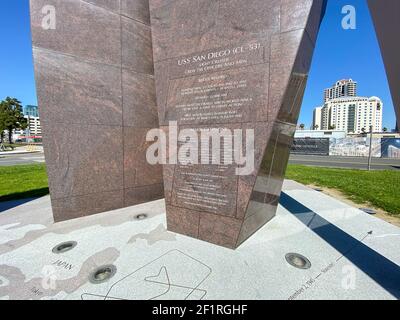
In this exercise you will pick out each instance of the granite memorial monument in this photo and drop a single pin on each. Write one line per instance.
(95, 85)
(230, 65)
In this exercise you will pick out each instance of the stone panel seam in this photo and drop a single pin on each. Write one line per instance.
(97, 124)
(144, 186)
(106, 191)
(199, 211)
(90, 61)
(115, 12)
(101, 7)
(133, 19)
(85, 194)
(80, 123)
(122, 108)
(85, 60)
(150, 75)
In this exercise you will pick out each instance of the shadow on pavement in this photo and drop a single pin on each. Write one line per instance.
(383, 271)
(16, 199)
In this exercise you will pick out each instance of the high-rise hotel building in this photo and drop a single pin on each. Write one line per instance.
(342, 88)
(344, 111)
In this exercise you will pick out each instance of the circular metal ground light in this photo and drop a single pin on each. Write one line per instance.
(141, 216)
(367, 210)
(298, 261)
(103, 274)
(65, 246)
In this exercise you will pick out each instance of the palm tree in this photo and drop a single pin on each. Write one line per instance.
(385, 129)
(302, 126)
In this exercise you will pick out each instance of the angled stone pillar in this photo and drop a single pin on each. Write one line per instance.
(237, 65)
(94, 76)
(385, 15)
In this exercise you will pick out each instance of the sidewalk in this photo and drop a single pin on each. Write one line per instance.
(22, 150)
(352, 255)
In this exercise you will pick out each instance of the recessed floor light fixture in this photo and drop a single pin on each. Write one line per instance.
(367, 210)
(103, 274)
(298, 261)
(64, 247)
(141, 216)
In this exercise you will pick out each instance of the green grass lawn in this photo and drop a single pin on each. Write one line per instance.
(23, 181)
(380, 188)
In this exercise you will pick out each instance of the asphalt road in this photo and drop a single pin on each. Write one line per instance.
(319, 161)
(345, 162)
(27, 158)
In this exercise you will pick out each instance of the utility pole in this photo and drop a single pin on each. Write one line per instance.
(370, 148)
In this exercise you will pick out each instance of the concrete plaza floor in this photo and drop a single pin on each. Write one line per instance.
(353, 255)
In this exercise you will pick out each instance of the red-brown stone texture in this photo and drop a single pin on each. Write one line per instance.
(231, 64)
(385, 15)
(95, 85)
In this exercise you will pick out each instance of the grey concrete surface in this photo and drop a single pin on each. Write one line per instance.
(26, 158)
(353, 255)
(345, 162)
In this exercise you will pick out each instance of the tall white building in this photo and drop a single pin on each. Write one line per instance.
(34, 128)
(342, 88)
(317, 118)
(352, 114)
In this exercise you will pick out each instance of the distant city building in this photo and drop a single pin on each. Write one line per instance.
(342, 88)
(31, 111)
(344, 111)
(352, 114)
(34, 128)
(335, 134)
(317, 118)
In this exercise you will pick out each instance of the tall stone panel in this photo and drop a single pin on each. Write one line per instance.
(230, 64)
(385, 15)
(95, 84)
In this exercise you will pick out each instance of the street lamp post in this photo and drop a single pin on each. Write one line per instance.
(370, 148)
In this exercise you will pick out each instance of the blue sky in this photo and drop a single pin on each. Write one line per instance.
(339, 54)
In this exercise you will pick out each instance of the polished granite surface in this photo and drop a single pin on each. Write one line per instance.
(229, 65)
(95, 86)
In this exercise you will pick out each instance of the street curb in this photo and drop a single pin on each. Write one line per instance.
(17, 153)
